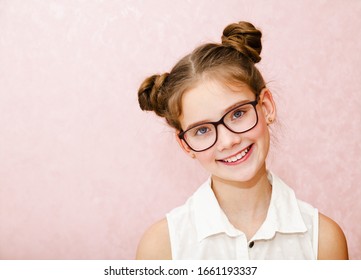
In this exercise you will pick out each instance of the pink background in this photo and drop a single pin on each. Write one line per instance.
(83, 171)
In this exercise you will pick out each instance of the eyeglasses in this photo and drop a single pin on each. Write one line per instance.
(238, 120)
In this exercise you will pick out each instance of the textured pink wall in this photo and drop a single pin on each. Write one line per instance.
(83, 172)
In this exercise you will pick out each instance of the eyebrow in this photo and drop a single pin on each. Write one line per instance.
(225, 111)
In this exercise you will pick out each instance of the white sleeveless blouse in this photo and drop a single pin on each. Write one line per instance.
(200, 230)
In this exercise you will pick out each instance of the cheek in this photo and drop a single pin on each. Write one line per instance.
(260, 132)
(206, 157)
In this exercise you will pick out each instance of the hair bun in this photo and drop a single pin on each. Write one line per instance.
(245, 38)
(150, 95)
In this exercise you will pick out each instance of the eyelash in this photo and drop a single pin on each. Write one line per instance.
(197, 131)
(238, 111)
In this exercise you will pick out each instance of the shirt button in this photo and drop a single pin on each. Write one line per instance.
(251, 244)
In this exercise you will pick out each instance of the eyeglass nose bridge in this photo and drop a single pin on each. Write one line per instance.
(216, 124)
(221, 121)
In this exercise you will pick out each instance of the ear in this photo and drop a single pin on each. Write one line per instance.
(184, 146)
(268, 105)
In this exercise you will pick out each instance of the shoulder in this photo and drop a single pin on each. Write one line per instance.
(332, 243)
(155, 243)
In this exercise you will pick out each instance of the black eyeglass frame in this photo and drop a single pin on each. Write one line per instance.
(221, 121)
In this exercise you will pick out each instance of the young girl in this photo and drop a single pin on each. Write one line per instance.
(219, 105)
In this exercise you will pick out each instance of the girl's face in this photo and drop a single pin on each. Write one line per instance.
(234, 157)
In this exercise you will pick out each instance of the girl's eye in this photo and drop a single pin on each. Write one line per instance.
(237, 114)
(202, 130)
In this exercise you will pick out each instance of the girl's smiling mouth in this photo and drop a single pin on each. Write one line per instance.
(239, 157)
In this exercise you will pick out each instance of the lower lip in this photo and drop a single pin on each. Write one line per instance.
(240, 160)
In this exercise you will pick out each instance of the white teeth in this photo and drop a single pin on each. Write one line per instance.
(238, 156)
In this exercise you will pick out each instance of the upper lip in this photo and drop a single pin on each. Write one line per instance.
(236, 153)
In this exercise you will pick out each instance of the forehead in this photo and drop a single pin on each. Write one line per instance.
(209, 100)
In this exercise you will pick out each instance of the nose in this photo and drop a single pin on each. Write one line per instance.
(226, 138)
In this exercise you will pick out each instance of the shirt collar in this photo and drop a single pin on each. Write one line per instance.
(209, 217)
(283, 213)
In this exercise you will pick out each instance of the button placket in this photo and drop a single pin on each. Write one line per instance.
(242, 252)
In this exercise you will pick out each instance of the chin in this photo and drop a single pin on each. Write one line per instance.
(244, 174)
(235, 176)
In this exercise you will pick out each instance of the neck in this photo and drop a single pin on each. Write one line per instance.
(244, 201)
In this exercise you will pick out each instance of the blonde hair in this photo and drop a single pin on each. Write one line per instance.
(233, 61)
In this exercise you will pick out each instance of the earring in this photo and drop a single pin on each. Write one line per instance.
(270, 120)
(193, 155)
